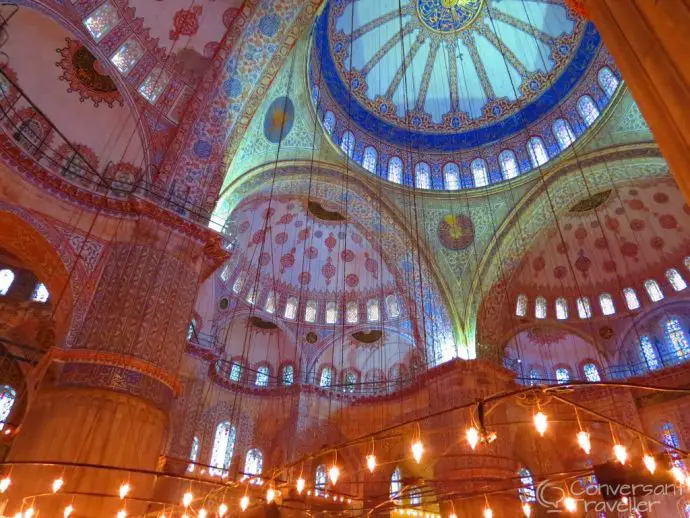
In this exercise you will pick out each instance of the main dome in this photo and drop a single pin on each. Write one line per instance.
(447, 76)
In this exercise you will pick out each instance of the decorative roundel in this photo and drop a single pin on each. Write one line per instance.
(456, 231)
(448, 16)
(279, 119)
(224, 303)
(312, 337)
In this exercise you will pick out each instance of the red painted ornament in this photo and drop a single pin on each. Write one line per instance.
(186, 22)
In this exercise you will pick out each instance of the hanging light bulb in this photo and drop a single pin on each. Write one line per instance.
(300, 485)
(621, 453)
(187, 498)
(650, 463)
(371, 462)
(222, 510)
(452, 515)
(202, 513)
(57, 484)
(541, 422)
(124, 489)
(4, 484)
(244, 503)
(584, 441)
(68, 511)
(122, 514)
(472, 436)
(417, 450)
(488, 513)
(678, 474)
(334, 474)
(270, 495)
(527, 510)
(569, 504)
(29, 512)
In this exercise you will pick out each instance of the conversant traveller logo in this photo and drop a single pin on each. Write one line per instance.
(584, 494)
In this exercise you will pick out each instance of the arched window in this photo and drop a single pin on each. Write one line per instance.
(527, 492)
(310, 311)
(631, 299)
(239, 282)
(653, 290)
(291, 308)
(8, 396)
(270, 306)
(395, 170)
(352, 313)
(648, 353)
(521, 305)
(540, 307)
(329, 122)
(223, 446)
(254, 464)
(562, 375)
(676, 339)
(584, 308)
(235, 371)
(392, 307)
(287, 374)
(561, 308)
(606, 303)
(591, 372)
(194, 454)
(422, 176)
(669, 435)
(676, 279)
(537, 151)
(320, 478)
(451, 176)
(252, 293)
(587, 110)
(350, 381)
(347, 143)
(509, 165)
(373, 313)
(331, 313)
(370, 159)
(41, 294)
(563, 133)
(480, 172)
(415, 496)
(607, 81)
(262, 376)
(396, 485)
(6, 280)
(326, 377)
(535, 376)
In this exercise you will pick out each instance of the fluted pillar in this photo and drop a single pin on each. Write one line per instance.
(649, 42)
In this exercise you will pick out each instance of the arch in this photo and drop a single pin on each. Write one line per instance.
(422, 176)
(540, 307)
(509, 164)
(590, 371)
(263, 374)
(370, 159)
(631, 299)
(606, 303)
(587, 109)
(373, 311)
(194, 454)
(253, 465)
(521, 305)
(395, 488)
(480, 172)
(329, 122)
(561, 308)
(287, 373)
(451, 176)
(392, 306)
(352, 312)
(676, 280)
(537, 152)
(331, 312)
(311, 311)
(326, 376)
(395, 170)
(676, 339)
(607, 81)
(223, 447)
(290, 308)
(563, 133)
(653, 290)
(347, 143)
(562, 375)
(584, 308)
(320, 478)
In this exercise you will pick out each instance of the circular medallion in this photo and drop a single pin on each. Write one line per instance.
(279, 119)
(448, 16)
(456, 231)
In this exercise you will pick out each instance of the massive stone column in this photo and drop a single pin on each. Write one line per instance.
(649, 42)
(115, 379)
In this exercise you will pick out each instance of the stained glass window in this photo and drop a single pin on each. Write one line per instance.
(331, 313)
(509, 165)
(223, 446)
(320, 478)
(653, 290)
(154, 84)
(287, 374)
(6, 280)
(607, 81)
(584, 308)
(127, 56)
(370, 159)
(252, 293)
(649, 353)
(350, 381)
(253, 465)
(415, 496)
(194, 454)
(631, 299)
(480, 172)
(291, 308)
(235, 371)
(521, 305)
(537, 151)
(326, 378)
(670, 438)
(8, 396)
(591, 372)
(270, 306)
(373, 313)
(562, 375)
(422, 176)
(239, 282)
(225, 273)
(262, 376)
(563, 133)
(392, 307)
(352, 313)
(606, 303)
(561, 308)
(527, 492)
(535, 376)
(676, 279)
(451, 176)
(191, 329)
(40, 293)
(101, 21)
(395, 168)
(676, 338)
(329, 122)
(310, 311)
(347, 143)
(587, 109)
(540, 307)
(396, 485)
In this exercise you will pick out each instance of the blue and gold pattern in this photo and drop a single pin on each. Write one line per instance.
(448, 16)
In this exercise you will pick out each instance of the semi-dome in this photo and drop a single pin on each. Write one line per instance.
(447, 94)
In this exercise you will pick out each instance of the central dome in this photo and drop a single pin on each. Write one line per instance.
(448, 16)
